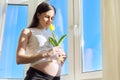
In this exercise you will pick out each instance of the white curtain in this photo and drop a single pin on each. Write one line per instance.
(111, 39)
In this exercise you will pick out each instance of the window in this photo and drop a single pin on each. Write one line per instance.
(61, 25)
(88, 42)
(92, 42)
(16, 20)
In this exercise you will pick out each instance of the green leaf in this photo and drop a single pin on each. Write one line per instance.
(52, 41)
(54, 37)
(61, 39)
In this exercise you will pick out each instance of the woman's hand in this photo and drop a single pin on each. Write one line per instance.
(56, 53)
(59, 52)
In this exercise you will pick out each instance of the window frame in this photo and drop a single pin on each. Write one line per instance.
(78, 24)
(74, 40)
(2, 23)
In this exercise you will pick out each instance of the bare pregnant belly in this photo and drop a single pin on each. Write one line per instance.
(52, 68)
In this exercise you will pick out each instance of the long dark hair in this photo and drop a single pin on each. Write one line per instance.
(43, 7)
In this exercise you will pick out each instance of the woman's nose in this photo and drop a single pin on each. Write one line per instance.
(50, 20)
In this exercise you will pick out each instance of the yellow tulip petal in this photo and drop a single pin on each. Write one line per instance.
(52, 28)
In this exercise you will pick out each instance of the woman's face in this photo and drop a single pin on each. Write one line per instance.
(45, 19)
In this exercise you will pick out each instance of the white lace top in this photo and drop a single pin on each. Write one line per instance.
(38, 42)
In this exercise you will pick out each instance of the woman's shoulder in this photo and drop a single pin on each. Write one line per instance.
(26, 31)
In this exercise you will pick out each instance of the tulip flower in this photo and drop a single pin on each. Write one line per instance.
(53, 40)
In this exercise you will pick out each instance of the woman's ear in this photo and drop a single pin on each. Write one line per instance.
(38, 15)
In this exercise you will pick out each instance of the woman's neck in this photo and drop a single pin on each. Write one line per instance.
(40, 27)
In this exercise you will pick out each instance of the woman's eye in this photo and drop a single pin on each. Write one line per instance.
(47, 16)
(52, 18)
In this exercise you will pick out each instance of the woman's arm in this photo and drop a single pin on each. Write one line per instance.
(22, 57)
